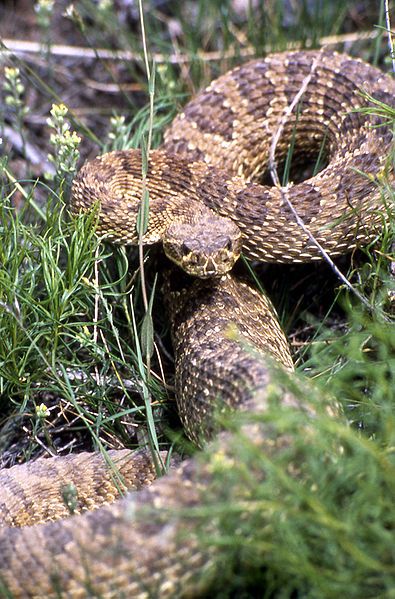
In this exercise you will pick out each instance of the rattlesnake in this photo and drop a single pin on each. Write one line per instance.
(231, 125)
(148, 544)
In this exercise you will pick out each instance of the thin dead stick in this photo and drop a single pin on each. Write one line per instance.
(112, 381)
(388, 24)
(324, 253)
(284, 120)
(284, 190)
(33, 153)
(13, 46)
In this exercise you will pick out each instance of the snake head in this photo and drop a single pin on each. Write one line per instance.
(206, 248)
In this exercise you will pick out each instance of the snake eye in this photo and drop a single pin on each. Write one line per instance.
(229, 245)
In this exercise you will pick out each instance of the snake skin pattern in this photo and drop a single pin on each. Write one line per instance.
(225, 334)
(216, 152)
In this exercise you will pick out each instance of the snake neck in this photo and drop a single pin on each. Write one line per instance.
(226, 337)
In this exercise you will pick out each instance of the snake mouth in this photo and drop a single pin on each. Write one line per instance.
(205, 267)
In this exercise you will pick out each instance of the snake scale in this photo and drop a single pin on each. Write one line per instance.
(210, 197)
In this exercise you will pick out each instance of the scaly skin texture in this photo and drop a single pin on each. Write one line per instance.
(242, 322)
(149, 544)
(218, 149)
(75, 483)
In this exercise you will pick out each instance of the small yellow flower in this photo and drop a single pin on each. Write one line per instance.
(42, 411)
(11, 72)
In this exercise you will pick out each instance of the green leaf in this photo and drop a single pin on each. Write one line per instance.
(151, 82)
(147, 335)
(147, 328)
(143, 214)
(144, 157)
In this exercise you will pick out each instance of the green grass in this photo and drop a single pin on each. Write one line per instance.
(72, 333)
(321, 523)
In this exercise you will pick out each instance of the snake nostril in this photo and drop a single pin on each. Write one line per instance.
(229, 245)
(185, 250)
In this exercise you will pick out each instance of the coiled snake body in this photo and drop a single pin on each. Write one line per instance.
(213, 162)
